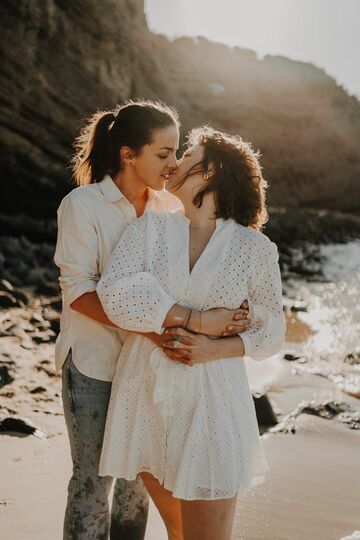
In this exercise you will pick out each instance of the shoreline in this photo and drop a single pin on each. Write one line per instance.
(309, 492)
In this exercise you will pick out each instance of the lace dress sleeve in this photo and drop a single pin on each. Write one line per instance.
(265, 336)
(133, 298)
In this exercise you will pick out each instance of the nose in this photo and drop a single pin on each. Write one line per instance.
(172, 163)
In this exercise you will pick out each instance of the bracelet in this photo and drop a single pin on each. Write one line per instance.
(188, 319)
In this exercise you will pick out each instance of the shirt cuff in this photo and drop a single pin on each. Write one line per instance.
(72, 292)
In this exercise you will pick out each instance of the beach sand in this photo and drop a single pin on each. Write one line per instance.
(312, 491)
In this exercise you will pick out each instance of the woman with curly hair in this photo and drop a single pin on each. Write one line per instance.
(190, 431)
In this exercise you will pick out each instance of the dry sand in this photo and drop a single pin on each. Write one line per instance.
(312, 491)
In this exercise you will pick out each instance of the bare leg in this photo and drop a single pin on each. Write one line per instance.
(208, 519)
(169, 507)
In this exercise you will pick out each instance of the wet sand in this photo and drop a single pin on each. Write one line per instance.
(312, 490)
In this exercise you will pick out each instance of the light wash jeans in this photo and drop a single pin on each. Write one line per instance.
(87, 513)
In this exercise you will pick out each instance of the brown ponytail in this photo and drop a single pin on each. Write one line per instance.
(97, 148)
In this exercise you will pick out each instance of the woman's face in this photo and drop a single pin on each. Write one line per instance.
(156, 161)
(190, 161)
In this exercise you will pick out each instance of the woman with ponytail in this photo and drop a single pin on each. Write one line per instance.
(190, 431)
(123, 159)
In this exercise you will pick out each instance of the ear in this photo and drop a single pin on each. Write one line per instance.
(210, 171)
(127, 155)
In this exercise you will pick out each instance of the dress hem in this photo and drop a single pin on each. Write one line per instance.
(256, 481)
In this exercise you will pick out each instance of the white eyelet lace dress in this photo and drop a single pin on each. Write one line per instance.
(193, 428)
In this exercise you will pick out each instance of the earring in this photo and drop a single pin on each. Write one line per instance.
(206, 176)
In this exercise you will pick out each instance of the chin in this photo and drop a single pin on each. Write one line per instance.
(170, 184)
(159, 186)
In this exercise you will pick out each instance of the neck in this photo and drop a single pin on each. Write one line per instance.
(203, 217)
(135, 192)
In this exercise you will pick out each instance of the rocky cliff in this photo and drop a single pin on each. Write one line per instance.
(62, 60)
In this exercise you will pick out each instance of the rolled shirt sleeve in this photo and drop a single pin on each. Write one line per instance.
(131, 297)
(265, 336)
(76, 252)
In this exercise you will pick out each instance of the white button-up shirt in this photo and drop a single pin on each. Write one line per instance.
(91, 220)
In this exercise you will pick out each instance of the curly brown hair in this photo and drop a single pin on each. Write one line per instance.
(237, 181)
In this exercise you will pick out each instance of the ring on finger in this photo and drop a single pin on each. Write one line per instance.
(177, 342)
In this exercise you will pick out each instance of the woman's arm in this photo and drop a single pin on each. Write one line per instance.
(77, 249)
(266, 334)
(89, 304)
(212, 322)
(197, 348)
(134, 299)
(76, 256)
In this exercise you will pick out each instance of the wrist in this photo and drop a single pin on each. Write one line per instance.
(194, 322)
(217, 348)
(231, 346)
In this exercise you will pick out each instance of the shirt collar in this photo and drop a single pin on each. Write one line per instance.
(112, 193)
(109, 190)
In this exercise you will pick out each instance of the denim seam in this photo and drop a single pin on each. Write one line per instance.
(72, 406)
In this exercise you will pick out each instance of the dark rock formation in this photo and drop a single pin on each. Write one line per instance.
(60, 62)
(265, 414)
(327, 409)
(12, 424)
(63, 60)
(305, 125)
(5, 377)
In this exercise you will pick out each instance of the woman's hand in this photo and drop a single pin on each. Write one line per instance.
(218, 322)
(161, 339)
(198, 348)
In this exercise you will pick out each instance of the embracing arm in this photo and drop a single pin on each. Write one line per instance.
(76, 255)
(265, 335)
(134, 299)
(197, 348)
(89, 304)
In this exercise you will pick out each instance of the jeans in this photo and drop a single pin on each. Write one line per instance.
(87, 513)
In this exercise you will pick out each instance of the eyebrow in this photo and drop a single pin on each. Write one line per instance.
(167, 148)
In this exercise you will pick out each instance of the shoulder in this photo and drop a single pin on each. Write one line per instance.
(81, 197)
(258, 242)
(167, 201)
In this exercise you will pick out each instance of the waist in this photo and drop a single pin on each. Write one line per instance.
(95, 346)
